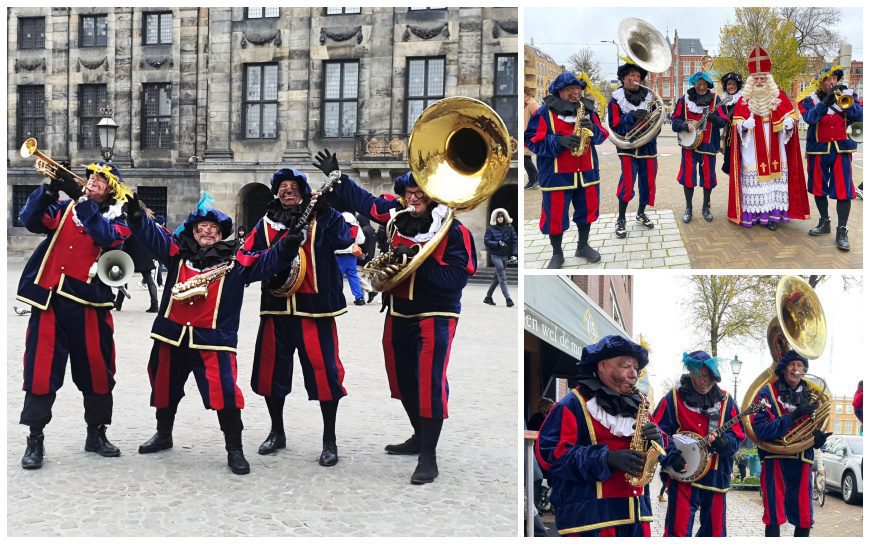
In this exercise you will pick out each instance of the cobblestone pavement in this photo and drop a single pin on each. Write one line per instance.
(659, 247)
(744, 512)
(189, 491)
(720, 244)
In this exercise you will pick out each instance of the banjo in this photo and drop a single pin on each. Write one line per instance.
(692, 138)
(697, 453)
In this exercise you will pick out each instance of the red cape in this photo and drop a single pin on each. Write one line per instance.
(798, 201)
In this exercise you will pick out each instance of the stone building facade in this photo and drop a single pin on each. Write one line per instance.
(216, 99)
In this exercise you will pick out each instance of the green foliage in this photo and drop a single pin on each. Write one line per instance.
(765, 27)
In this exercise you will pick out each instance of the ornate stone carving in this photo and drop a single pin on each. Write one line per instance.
(341, 36)
(156, 62)
(92, 65)
(511, 27)
(261, 39)
(425, 33)
(29, 66)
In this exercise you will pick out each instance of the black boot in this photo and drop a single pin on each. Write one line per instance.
(410, 446)
(235, 457)
(488, 300)
(34, 453)
(277, 439)
(843, 238)
(802, 531)
(329, 455)
(97, 442)
(824, 227)
(162, 439)
(427, 465)
(558, 259)
(583, 248)
(771, 225)
(771, 530)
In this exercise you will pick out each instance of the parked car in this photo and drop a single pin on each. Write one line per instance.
(843, 457)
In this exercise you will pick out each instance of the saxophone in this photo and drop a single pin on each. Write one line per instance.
(197, 286)
(581, 132)
(648, 448)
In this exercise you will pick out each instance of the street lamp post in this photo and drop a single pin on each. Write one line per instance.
(107, 129)
(735, 371)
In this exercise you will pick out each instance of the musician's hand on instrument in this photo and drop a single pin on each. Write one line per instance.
(133, 208)
(829, 99)
(679, 463)
(569, 142)
(691, 125)
(326, 162)
(803, 409)
(54, 187)
(819, 438)
(840, 87)
(719, 444)
(628, 461)
(651, 432)
(585, 123)
(405, 253)
(290, 243)
(641, 115)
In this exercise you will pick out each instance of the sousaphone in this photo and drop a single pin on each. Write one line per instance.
(459, 152)
(799, 325)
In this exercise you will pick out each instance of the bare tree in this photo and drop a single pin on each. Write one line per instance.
(585, 60)
(815, 29)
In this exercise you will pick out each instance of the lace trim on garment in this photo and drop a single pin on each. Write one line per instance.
(758, 197)
(438, 215)
(617, 425)
(694, 108)
(274, 224)
(113, 211)
(731, 99)
(626, 106)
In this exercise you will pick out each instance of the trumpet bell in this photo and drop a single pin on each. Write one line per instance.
(28, 148)
(115, 268)
(459, 152)
(645, 45)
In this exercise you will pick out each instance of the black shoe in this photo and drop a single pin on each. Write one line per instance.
(426, 471)
(152, 310)
(843, 238)
(771, 225)
(274, 442)
(644, 220)
(588, 253)
(687, 215)
(488, 300)
(237, 462)
(508, 302)
(824, 227)
(531, 185)
(329, 455)
(556, 261)
(359, 302)
(158, 442)
(410, 446)
(34, 453)
(708, 216)
(98, 443)
(372, 296)
(620, 228)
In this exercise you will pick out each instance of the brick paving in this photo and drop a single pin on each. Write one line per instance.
(720, 244)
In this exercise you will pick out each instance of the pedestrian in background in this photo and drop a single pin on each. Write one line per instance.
(501, 241)
(531, 106)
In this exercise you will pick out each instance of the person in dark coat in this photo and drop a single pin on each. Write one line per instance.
(370, 246)
(501, 241)
(143, 263)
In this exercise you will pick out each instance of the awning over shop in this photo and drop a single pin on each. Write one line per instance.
(558, 312)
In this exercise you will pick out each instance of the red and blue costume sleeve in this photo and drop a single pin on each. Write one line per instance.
(539, 136)
(107, 233)
(665, 416)
(558, 451)
(620, 123)
(42, 212)
(376, 208)
(160, 242)
(771, 423)
(714, 117)
(858, 404)
(678, 124)
(451, 268)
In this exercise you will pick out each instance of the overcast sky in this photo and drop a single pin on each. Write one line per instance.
(659, 316)
(576, 28)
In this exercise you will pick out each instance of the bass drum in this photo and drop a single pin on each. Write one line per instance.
(694, 450)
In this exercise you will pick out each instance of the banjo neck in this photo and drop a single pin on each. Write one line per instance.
(728, 424)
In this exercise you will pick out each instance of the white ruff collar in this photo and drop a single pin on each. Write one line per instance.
(694, 108)
(618, 425)
(438, 215)
(115, 210)
(626, 106)
(731, 99)
(274, 224)
(787, 405)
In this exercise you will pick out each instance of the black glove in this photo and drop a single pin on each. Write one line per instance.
(840, 87)
(651, 432)
(720, 444)
(326, 162)
(321, 205)
(406, 251)
(569, 142)
(501, 243)
(806, 408)
(54, 188)
(829, 99)
(133, 208)
(628, 461)
(585, 123)
(69, 185)
(640, 115)
(819, 438)
(291, 242)
(678, 463)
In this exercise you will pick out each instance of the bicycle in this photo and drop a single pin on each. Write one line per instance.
(819, 486)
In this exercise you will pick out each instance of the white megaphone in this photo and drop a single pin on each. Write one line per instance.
(115, 268)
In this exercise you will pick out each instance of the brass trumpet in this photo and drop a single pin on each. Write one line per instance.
(844, 101)
(45, 164)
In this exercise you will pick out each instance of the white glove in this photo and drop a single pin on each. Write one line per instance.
(748, 124)
(788, 124)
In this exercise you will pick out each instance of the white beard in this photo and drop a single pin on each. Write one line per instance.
(762, 100)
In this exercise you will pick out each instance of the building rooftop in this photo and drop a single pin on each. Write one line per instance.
(540, 54)
(689, 47)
